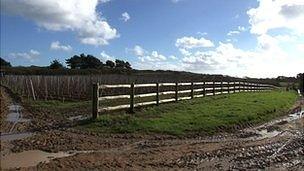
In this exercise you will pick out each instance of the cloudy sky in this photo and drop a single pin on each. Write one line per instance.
(256, 38)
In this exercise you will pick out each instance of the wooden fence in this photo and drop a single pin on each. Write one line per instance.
(179, 91)
(79, 87)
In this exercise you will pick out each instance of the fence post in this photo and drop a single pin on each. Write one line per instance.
(213, 87)
(132, 91)
(222, 87)
(46, 88)
(228, 86)
(250, 87)
(204, 89)
(176, 91)
(33, 91)
(157, 94)
(239, 86)
(192, 92)
(95, 96)
(233, 86)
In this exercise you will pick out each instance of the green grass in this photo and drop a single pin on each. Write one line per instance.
(57, 104)
(57, 108)
(201, 115)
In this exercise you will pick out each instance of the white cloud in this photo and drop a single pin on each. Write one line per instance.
(152, 57)
(230, 33)
(104, 57)
(136, 50)
(155, 56)
(157, 65)
(145, 56)
(274, 54)
(152, 60)
(271, 14)
(202, 33)
(125, 17)
(172, 57)
(57, 46)
(224, 56)
(241, 28)
(267, 60)
(32, 55)
(73, 15)
(238, 31)
(300, 48)
(184, 52)
(191, 42)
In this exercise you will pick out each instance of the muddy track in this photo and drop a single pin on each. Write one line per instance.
(225, 152)
(278, 144)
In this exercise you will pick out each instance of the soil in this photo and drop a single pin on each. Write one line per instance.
(277, 145)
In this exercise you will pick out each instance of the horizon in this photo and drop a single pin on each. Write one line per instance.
(255, 38)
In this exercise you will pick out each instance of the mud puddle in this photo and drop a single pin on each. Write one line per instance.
(15, 136)
(29, 158)
(33, 158)
(15, 116)
(271, 129)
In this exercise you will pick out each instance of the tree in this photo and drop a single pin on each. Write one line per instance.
(110, 64)
(55, 64)
(83, 62)
(73, 62)
(91, 62)
(122, 64)
(128, 65)
(4, 63)
(119, 63)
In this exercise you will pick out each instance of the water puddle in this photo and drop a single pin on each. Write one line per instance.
(15, 117)
(33, 158)
(267, 134)
(15, 108)
(14, 136)
(268, 130)
(30, 158)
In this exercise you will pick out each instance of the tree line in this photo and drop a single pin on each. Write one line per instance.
(83, 61)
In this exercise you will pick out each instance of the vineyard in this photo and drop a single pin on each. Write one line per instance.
(79, 87)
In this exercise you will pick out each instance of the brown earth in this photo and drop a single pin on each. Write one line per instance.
(5, 102)
(242, 150)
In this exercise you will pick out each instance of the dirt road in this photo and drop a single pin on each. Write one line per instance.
(277, 145)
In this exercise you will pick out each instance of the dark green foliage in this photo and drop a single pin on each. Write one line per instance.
(122, 64)
(110, 64)
(4, 63)
(73, 62)
(55, 64)
(84, 62)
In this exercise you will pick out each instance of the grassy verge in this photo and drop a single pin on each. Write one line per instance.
(201, 115)
(58, 108)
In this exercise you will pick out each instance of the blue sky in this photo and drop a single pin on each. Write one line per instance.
(262, 38)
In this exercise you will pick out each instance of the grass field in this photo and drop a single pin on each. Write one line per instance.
(201, 115)
(57, 108)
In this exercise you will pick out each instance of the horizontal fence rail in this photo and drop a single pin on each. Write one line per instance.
(79, 87)
(171, 92)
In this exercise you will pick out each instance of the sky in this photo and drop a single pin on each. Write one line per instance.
(255, 38)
